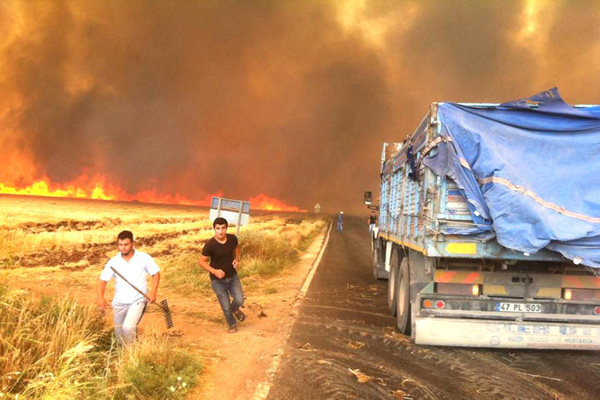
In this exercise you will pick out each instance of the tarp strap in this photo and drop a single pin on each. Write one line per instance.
(431, 145)
(537, 199)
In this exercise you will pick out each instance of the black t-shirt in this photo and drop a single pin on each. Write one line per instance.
(221, 255)
(372, 219)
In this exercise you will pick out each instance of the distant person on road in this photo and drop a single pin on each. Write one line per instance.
(224, 254)
(340, 222)
(128, 304)
(371, 221)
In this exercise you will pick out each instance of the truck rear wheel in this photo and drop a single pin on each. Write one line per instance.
(403, 320)
(393, 283)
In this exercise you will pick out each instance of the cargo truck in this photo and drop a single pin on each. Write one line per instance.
(489, 225)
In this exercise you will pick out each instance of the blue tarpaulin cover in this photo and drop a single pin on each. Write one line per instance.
(530, 175)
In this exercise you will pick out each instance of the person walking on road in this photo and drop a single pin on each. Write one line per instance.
(340, 222)
(128, 304)
(224, 254)
(371, 221)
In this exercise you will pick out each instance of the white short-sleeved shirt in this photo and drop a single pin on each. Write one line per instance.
(134, 271)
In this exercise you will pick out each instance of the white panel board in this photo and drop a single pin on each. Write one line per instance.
(230, 216)
(506, 334)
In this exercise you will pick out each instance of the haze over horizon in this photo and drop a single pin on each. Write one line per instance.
(288, 98)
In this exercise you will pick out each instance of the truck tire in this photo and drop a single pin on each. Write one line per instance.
(379, 271)
(393, 283)
(403, 308)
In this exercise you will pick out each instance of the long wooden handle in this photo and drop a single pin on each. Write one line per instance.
(130, 284)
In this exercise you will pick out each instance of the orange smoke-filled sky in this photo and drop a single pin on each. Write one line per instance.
(288, 98)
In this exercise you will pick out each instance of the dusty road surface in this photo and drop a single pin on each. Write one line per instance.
(344, 346)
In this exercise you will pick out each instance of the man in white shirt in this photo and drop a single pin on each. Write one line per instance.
(128, 304)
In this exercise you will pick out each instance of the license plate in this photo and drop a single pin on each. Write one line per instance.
(519, 307)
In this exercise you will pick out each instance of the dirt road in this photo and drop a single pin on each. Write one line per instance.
(344, 346)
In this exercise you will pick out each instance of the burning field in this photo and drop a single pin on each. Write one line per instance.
(74, 234)
(53, 250)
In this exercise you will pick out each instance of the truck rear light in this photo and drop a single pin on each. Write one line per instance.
(427, 303)
(440, 304)
(458, 289)
(597, 310)
(581, 294)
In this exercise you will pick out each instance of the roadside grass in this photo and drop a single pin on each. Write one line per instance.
(8, 249)
(185, 275)
(215, 319)
(309, 232)
(59, 349)
(270, 290)
(264, 254)
(49, 349)
(156, 369)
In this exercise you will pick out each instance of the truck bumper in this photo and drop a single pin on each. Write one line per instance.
(506, 334)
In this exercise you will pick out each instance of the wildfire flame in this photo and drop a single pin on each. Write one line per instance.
(264, 202)
(98, 188)
(74, 190)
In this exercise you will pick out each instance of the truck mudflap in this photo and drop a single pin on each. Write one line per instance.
(506, 334)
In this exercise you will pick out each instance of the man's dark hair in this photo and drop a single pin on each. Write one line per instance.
(125, 235)
(220, 221)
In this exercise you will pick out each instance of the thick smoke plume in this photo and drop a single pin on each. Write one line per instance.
(288, 98)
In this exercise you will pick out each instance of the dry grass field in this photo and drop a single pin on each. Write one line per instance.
(52, 252)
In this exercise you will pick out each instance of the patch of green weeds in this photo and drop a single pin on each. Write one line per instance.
(270, 290)
(158, 370)
(185, 274)
(202, 315)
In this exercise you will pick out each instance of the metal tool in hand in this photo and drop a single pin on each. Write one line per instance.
(163, 304)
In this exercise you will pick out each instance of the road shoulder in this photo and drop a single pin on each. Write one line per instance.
(240, 366)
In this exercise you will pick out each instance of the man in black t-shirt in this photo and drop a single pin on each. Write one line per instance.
(371, 221)
(224, 253)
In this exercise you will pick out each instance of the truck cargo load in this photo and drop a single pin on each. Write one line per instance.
(489, 225)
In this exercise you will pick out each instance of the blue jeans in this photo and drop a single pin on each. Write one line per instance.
(224, 288)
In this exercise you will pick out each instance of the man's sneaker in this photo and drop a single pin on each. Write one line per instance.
(239, 315)
(232, 329)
